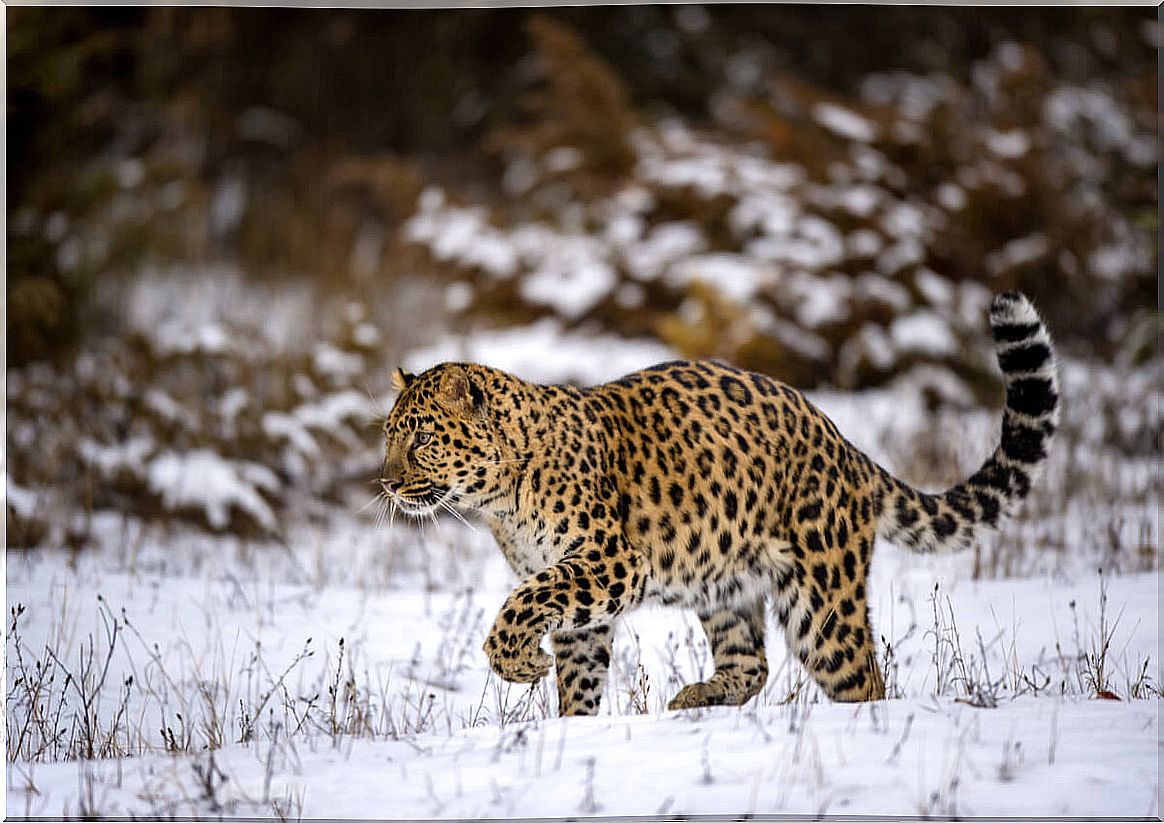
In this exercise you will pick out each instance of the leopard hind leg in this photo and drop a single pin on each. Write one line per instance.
(823, 606)
(736, 636)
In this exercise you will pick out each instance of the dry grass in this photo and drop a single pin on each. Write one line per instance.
(67, 708)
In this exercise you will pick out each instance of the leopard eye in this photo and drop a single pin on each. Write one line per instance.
(421, 438)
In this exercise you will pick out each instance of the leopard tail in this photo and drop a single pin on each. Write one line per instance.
(956, 520)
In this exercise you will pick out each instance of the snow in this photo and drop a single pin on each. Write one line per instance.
(734, 276)
(877, 345)
(938, 290)
(569, 273)
(562, 159)
(916, 95)
(905, 220)
(129, 455)
(821, 300)
(230, 405)
(665, 243)
(703, 174)
(814, 243)
(923, 331)
(871, 164)
(582, 357)
(973, 303)
(1115, 261)
(827, 761)
(56, 226)
(177, 337)
(366, 335)
(521, 175)
(130, 173)
(623, 228)
(167, 407)
(204, 481)
(182, 310)
(843, 122)
(330, 412)
(458, 296)
(462, 235)
(573, 263)
(674, 157)
(367, 251)
(334, 362)
(938, 380)
(284, 427)
(860, 200)
(1010, 144)
(454, 742)
(951, 197)
(798, 338)
(903, 253)
(863, 243)
(772, 212)
(21, 500)
(635, 198)
(630, 296)
(1017, 252)
(228, 205)
(1070, 107)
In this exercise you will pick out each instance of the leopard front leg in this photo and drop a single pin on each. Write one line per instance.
(582, 660)
(592, 586)
(737, 645)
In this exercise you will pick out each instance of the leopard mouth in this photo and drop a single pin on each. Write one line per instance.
(423, 503)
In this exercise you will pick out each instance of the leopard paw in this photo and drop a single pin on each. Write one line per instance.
(695, 696)
(517, 658)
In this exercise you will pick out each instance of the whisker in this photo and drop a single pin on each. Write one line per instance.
(376, 406)
(370, 502)
(447, 506)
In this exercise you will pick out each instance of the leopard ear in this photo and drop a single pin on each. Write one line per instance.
(401, 379)
(458, 393)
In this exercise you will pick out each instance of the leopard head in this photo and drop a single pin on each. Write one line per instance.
(441, 449)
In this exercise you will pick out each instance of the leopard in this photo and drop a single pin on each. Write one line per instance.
(699, 485)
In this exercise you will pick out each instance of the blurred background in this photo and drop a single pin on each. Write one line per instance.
(225, 226)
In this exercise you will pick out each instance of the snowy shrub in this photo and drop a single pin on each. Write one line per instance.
(208, 423)
(816, 239)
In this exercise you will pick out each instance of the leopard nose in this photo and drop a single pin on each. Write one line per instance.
(391, 475)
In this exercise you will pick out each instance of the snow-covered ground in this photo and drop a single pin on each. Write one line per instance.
(370, 697)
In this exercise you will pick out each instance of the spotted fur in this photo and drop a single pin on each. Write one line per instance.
(698, 485)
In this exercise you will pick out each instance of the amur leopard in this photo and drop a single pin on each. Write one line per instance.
(697, 485)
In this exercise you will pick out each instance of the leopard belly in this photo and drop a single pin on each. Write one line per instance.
(721, 592)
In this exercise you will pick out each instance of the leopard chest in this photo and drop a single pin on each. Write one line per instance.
(526, 544)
